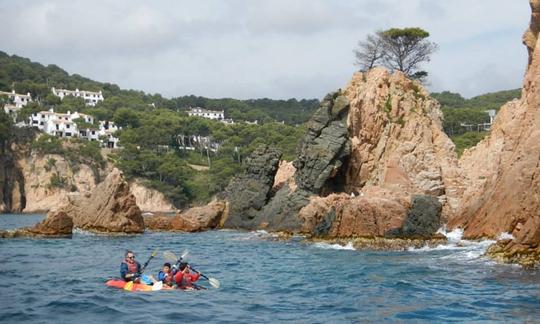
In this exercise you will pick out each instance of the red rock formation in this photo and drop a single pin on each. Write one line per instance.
(397, 139)
(109, 208)
(199, 218)
(503, 171)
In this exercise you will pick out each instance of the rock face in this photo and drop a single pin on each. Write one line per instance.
(322, 153)
(502, 173)
(397, 139)
(12, 194)
(150, 200)
(248, 193)
(198, 219)
(109, 208)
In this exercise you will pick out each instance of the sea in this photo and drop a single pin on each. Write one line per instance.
(263, 279)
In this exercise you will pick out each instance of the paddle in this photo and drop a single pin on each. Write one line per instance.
(171, 256)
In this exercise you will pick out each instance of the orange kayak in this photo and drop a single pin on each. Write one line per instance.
(121, 284)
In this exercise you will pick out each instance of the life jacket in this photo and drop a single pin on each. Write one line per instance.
(185, 280)
(133, 267)
(168, 278)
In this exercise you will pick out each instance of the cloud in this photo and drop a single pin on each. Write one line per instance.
(255, 48)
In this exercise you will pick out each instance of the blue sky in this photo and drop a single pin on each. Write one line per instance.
(254, 48)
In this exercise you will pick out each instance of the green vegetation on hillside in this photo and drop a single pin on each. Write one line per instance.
(159, 139)
(458, 110)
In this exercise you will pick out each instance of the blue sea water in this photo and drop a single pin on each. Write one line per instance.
(262, 280)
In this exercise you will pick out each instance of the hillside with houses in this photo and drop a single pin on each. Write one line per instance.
(186, 147)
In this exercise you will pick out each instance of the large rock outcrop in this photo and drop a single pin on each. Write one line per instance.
(150, 200)
(397, 139)
(502, 173)
(322, 153)
(109, 208)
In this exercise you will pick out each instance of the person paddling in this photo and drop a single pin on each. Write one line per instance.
(166, 274)
(129, 268)
(185, 278)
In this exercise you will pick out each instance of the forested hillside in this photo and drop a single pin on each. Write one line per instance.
(458, 110)
(161, 143)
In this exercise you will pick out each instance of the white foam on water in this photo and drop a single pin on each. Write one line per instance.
(82, 232)
(506, 236)
(328, 246)
(458, 248)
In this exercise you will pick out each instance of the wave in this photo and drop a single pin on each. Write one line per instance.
(82, 232)
(335, 246)
(464, 249)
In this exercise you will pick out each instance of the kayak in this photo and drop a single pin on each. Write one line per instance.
(121, 284)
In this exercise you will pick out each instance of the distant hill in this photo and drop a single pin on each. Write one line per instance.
(492, 100)
(23, 75)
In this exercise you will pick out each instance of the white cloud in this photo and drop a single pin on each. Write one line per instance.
(255, 48)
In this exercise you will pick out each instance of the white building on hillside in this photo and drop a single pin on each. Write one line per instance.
(91, 98)
(19, 100)
(204, 113)
(64, 125)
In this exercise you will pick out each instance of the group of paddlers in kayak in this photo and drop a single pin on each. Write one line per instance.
(180, 274)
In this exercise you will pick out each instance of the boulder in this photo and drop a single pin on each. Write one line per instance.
(198, 219)
(109, 208)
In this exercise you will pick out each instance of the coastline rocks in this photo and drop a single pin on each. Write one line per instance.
(198, 219)
(248, 193)
(322, 153)
(109, 208)
(157, 222)
(57, 225)
(376, 213)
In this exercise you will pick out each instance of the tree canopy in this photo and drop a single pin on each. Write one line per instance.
(396, 49)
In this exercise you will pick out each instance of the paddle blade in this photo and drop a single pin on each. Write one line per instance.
(184, 254)
(170, 256)
(157, 286)
(214, 282)
(128, 286)
(154, 253)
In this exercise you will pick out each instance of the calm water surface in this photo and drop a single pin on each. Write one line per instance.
(263, 280)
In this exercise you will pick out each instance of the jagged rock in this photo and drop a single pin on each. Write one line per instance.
(199, 218)
(325, 146)
(109, 208)
(248, 193)
(158, 222)
(12, 195)
(423, 218)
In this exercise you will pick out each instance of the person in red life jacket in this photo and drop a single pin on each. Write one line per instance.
(185, 278)
(129, 268)
(166, 275)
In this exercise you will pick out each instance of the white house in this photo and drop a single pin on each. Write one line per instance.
(63, 125)
(204, 113)
(91, 98)
(19, 100)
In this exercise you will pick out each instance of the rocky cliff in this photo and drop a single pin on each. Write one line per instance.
(34, 183)
(502, 173)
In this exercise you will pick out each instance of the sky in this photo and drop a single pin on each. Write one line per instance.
(262, 49)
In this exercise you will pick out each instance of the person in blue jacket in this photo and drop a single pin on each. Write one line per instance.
(129, 268)
(166, 274)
